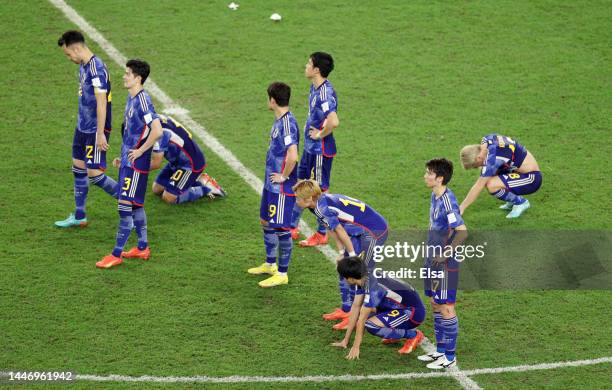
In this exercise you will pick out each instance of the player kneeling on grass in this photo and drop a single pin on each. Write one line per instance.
(354, 225)
(278, 198)
(391, 310)
(182, 179)
(508, 171)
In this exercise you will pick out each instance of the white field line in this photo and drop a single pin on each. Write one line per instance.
(332, 378)
(465, 381)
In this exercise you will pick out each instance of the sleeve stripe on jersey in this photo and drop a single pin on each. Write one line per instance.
(323, 93)
(318, 213)
(286, 125)
(447, 203)
(92, 68)
(143, 103)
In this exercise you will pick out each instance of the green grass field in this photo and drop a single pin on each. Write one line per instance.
(414, 81)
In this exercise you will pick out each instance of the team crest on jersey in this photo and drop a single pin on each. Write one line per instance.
(313, 102)
(275, 132)
(130, 112)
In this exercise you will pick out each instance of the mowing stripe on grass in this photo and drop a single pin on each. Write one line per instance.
(331, 378)
(170, 106)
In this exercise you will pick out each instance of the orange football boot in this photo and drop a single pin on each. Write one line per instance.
(337, 314)
(295, 233)
(342, 325)
(411, 344)
(136, 253)
(314, 240)
(109, 261)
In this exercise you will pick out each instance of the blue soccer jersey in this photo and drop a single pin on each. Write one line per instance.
(322, 102)
(503, 155)
(333, 209)
(93, 76)
(391, 294)
(444, 215)
(178, 146)
(139, 114)
(283, 134)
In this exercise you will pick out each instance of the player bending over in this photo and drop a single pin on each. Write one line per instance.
(508, 170)
(391, 310)
(182, 179)
(354, 225)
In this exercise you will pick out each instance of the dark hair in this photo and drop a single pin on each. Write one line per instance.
(323, 61)
(139, 68)
(352, 267)
(70, 37)
(441, 167)
(281, 93)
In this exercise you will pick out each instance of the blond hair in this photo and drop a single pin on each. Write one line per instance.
(305, 189)
(468, 156)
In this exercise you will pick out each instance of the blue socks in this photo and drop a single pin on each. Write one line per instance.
(451, 328)
(278, 240)
(126, 223)
(389, 333)
(193, 193)
(109, 185)
(295, 216)
(271, 244)
(81, 188)
(140, 225)
(439, 331)
(285, 245)
(508, 196)
(347, 294)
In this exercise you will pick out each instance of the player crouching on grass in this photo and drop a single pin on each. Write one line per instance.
(182, 179)
(353, 224)
(508, 171)
(391, 310)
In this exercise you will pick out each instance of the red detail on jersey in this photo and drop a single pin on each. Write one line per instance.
(140, 170)
(142, 132)
(276, 228)
(323, 143)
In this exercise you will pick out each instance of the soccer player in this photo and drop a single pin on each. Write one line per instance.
(446, 228)
(142, 128)
(182, 179)
(92, 131)
(278, 198)
(508, 171)
(348, 221)
(392, 310)
(319, 143)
